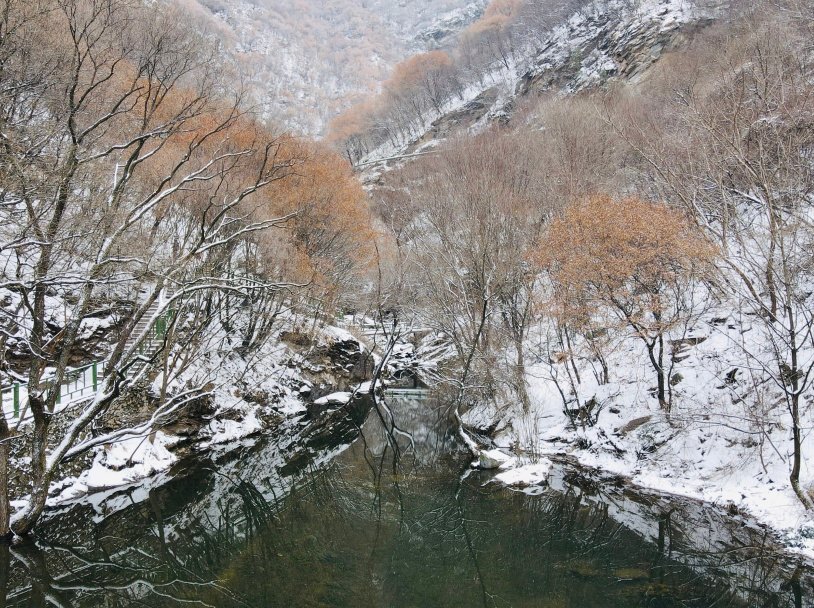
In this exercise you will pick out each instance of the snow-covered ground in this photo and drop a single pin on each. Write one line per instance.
(246, 393)
(727, 440)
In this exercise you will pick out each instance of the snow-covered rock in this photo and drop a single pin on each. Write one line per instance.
(494, 459)
(226, 430)
(129, 460)
(528, 475)
(340, 398)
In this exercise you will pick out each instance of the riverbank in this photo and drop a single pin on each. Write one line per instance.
(417, 528)
(276, 390)
(726, 440)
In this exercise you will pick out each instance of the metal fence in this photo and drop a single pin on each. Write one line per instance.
(79, 383)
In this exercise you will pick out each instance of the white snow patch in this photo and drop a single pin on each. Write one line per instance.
(494, 459)
(334, 399)
(364, 388)
(528, 475)
(126, 461)
(225, 431)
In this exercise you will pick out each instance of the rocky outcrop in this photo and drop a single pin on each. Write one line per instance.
(606, 42)
(444, 29)
(602, 41)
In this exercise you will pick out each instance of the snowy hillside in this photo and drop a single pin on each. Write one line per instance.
(635, 160)
(307, 60)
(599, 42)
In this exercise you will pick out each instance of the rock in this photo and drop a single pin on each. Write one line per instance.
(334, 399)
(493, 459)
(527, 476)
(633, 425)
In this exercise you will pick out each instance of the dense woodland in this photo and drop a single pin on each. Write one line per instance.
(305, 61)
(624, 214)
(508, 31)
(136, 169)
(133, 169)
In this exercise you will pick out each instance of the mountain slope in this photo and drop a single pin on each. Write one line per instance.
(601, 41)
(307, 59)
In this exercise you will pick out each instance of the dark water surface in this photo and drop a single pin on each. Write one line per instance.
(392, 520)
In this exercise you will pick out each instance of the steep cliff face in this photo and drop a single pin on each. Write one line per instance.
(445, 28)
(609, 40)
(599, 42)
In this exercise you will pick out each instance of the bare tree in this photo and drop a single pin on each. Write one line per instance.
(124, 160)
(745, 103)
(478, 222)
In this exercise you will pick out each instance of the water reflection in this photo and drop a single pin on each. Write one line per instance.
(396, 519)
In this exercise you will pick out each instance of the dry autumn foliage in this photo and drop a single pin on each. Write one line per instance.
(120, 125)
(424, 83)
(636, 259)
(331, 228)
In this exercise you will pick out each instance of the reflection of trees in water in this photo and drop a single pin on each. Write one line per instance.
(395, 527)
(174, 547)
(135, 565)
(691, 549)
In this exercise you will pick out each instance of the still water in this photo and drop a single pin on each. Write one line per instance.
(360, 517)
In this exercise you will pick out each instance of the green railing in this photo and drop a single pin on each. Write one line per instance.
(79, 383)
(156, 338)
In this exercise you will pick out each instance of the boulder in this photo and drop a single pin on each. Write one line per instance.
(493, 459)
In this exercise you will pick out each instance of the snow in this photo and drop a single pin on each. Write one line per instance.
(710, 449)
(338, 334)
(292, 405)
(364, 388)
(340, 398)
(225, 431)
(494, 459)
(529, 476)
(125, 462)
(138, 463)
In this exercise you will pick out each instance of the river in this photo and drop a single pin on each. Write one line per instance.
(360, 517)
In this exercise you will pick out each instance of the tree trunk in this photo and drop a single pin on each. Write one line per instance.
(520, 375)
(5, 571)
(663, 401)
(797, 457)
(40, 479)
(657, 360)
(5, 507)
(570, 352)
(771, 286)
(793, 379)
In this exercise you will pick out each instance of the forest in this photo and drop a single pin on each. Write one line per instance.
(133, 169)
(594, 245)
(593, 233)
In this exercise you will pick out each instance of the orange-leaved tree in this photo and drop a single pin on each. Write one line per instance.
(640, 261)
(422, 79)
(331, 227)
